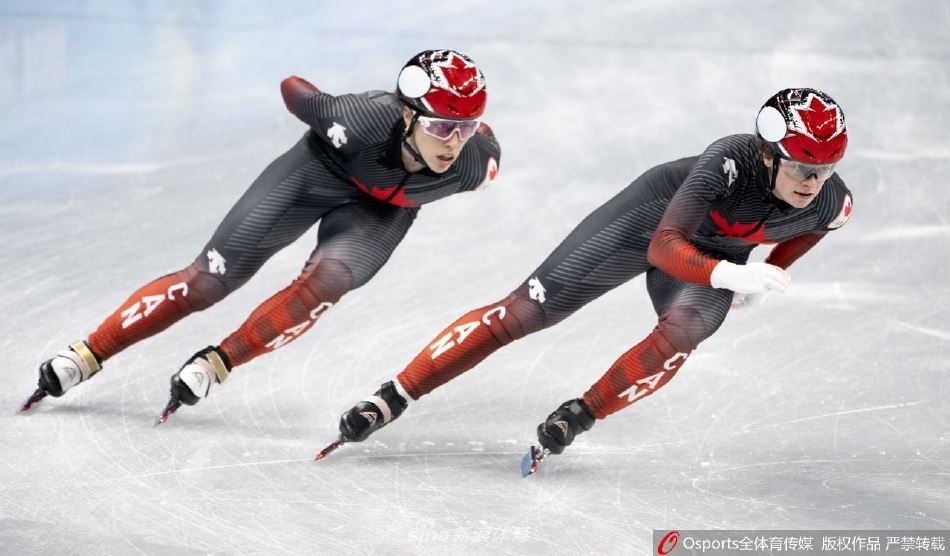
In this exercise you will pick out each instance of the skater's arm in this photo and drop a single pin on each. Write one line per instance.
(486, 143)
(348, 121)
(298, 93)
(787, 252)
(480, 159)
(672, 253)
(670, 249)
(836, 216)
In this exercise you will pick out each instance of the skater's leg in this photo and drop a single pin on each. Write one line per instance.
(271, 214)
(354, 241)
(688, 314)
(470, 339)
(156, 306)
(278, 207)
(604, 251)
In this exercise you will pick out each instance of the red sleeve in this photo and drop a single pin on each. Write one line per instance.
(672, 253)
(787, 252)
(670, 249)
(296, 91)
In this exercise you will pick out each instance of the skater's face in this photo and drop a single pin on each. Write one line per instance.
(793, 186)
(427, 138)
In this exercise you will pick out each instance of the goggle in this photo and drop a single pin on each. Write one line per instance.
(803, 171)
(443, 129)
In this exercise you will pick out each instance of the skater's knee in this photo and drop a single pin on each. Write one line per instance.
(327, 280)
(537, 307)
(518, 315)
(683, 328)
(200, 288)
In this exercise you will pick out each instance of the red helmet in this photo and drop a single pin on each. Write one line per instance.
(805, 125)
(443, 83)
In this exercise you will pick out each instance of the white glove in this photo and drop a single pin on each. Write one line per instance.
(748, 300)
(749, 278)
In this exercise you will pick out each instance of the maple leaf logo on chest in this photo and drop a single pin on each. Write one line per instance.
(751, 232)
(394, 195)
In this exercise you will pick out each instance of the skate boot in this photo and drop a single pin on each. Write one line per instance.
(372, 414)
(557, 432)
(67, 369)
(559, 429)
(193, 381)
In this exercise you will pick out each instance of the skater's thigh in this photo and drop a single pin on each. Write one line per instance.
(695, 310)
(607, 249)
(362, 236)
(289, 197)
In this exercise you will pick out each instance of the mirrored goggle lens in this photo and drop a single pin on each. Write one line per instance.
(443, 129)
(803, 171)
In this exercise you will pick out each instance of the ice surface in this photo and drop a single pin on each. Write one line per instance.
(128, 131)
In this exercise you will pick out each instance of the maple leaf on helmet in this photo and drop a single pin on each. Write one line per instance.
(803, 124)
(444, 84)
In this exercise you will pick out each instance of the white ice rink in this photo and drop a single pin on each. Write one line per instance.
(127, 131)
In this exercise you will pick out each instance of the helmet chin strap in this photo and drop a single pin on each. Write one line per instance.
(774, 176)
(405, 140)
(771, 197)
(768, 192)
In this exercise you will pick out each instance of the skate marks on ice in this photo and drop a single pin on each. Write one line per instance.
(426, 449)
(27, 538)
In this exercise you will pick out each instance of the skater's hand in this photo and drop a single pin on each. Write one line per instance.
(749, 278)
(748, 300)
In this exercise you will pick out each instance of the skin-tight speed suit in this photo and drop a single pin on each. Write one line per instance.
(674, 223)
(347, 173)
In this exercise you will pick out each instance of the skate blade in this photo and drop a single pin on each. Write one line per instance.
(172, 407)
(38, 395)
(329, 449)
(530, 461)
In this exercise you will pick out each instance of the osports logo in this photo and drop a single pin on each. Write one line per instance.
(668, 543)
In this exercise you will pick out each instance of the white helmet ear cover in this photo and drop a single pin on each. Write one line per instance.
(414, 82)
(770, 124)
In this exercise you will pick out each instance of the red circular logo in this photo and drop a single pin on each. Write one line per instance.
(668, 543)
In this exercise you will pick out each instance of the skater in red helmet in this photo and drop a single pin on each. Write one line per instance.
(690, 226)
(362, 170)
